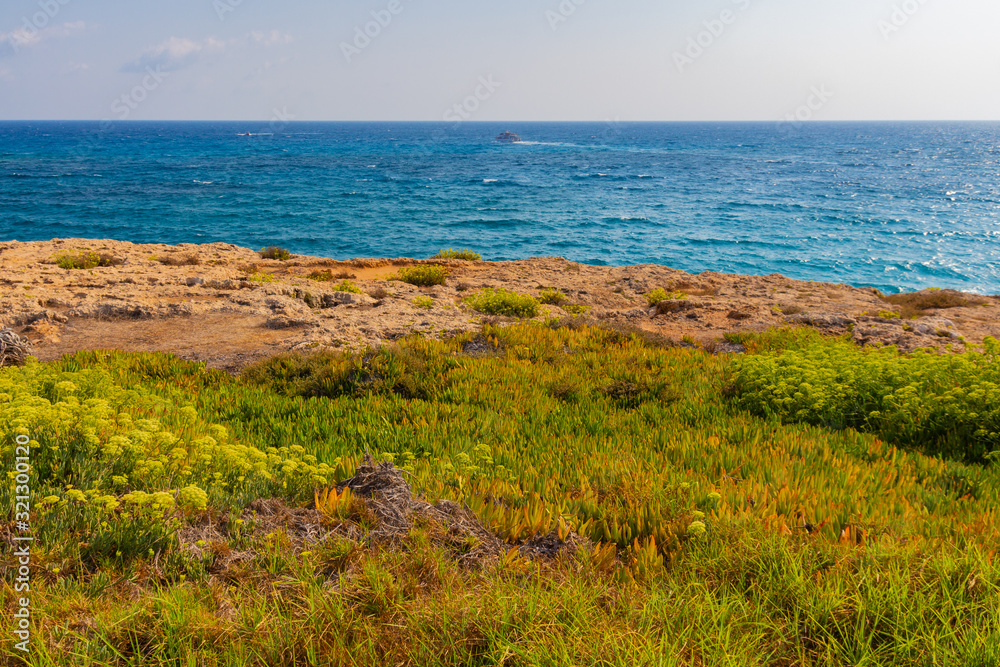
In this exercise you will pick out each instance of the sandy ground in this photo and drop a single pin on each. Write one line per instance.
(210, 310)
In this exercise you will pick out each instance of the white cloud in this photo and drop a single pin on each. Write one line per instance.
(72, 68)
(270, 38)
(28, 36)
(175, 53)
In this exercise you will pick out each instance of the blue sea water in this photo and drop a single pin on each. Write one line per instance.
(895, 205)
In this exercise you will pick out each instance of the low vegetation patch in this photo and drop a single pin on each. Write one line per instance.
(552, 297)
(347, 286)
(423, 302)
(379, 293)
(327, 275)
(464, 253)
(274, 252)
(504, 303)
(424, 275)
(692, 289)
(85, 259)
(260, 277)
(789, 309)
(942, 404)
(179, 260)
(660, 294)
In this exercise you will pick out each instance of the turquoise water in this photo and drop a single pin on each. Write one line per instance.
(894, 205)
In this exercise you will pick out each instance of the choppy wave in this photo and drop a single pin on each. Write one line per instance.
(897, 206)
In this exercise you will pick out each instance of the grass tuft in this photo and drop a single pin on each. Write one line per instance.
(464, 253)
(274, 252)
(347, 286)
(327, 275)
(552, 297)
(424, 275)
(660, 294)
(85, 259)
(504, 303)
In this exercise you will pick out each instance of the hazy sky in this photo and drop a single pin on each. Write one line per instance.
(512, 60)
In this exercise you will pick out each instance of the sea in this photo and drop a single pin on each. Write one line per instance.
(898, 206)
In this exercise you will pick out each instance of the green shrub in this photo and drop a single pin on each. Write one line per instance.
(84, 259)
(262, 278)
(576, 308)
(552, 297)
(274, 252)
(502, 302)
(660, 294)
(464, 253)
(423, 275)
(424, 302)
(321, 276)
(943, 404)
(347, 286)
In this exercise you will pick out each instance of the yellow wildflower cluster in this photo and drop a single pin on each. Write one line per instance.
(118, 440)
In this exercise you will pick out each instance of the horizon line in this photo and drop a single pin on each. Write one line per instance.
(489, 122)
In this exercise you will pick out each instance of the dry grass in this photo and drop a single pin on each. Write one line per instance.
(917, 304)
(694, 289)
(179, 260)
(329, 276)
(379, 293)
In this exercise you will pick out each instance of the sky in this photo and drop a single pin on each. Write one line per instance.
(479, 60)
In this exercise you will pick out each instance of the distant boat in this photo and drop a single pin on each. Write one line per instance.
(508, 138)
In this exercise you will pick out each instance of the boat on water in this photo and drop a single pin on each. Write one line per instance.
(508, 138)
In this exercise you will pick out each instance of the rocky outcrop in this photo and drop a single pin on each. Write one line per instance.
(227, 300)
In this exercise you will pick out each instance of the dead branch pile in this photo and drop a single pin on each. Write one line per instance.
(388, 497)
(14, 350)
